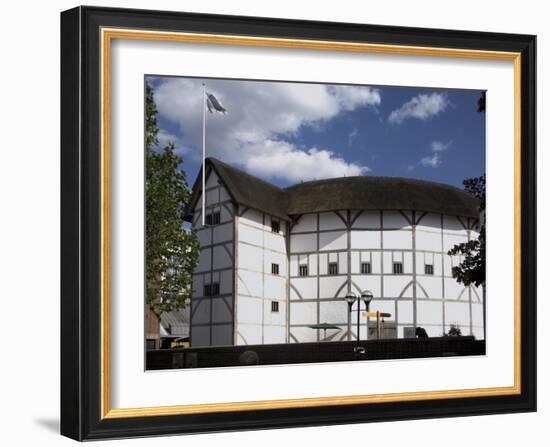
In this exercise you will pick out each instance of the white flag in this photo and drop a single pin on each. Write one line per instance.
(214, 105)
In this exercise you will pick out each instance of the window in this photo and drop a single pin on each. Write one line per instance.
(275, 226)
(332, 268)
(366, 268)
(274, 306)
(428, 269)
(212, 289)
(274, 269)
(213, 218)
(397, 268)
(302, 270)
(216, 289)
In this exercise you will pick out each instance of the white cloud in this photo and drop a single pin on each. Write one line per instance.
(435, 160)
(351, 97)
(262, 118)
(421, 107)
(164, 138)
(351, 136)
(438, 146)
(284, 160)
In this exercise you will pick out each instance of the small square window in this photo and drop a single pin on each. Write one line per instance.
(366, 268)
(302, 270)
(274, 306)
(332, 268)
(212, 218)
(275, 226)
(274, 269)
(212, 289)
(215, 289)
(428, 269)
(397, 268)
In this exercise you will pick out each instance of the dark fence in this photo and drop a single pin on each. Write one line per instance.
(313, 352)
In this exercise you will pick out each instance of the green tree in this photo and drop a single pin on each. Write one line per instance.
(481, 102)
(171, 250)
(472, 268)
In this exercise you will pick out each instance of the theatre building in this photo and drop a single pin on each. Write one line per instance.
(275, 262)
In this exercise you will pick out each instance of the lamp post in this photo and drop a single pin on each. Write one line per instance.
(367, 296)
(351, 298)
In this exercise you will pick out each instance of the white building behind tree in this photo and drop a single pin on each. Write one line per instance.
(275, 261)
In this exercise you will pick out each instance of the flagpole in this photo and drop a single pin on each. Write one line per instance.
(203, 153)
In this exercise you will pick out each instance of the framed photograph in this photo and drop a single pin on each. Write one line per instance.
(273, 223)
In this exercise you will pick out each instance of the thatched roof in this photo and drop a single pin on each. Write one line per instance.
(380, 193)
(355, 193)
(244, 189)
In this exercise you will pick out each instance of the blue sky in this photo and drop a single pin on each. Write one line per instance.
(291, 132)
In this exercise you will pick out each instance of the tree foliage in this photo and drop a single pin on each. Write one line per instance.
(481, 102)
(454, 331)
(171, 250)
(472, 268)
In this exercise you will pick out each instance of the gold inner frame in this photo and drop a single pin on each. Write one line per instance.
(107, 35)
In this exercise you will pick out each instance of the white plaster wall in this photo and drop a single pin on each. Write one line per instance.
(222, 335)
(303, 313)
(306, 222)
(366, 239)
(395, 220)
(274, 242)
(221, 310)
(397, 240)
(334, 312)
(368, 219)
(332, 221)
(201, 336)
(212, 318)
(329, 285)
(251, 217)
(212, 179)
(303, 288)
(249, 283)
(394, 243)
(250, 234)
(200, 310)
(368, 282)
(249, 257)
(258, 249)
(249, 311)
(333, 240)
(303, 243)
(275, 287)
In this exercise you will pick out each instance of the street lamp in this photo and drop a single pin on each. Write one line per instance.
(367, 296)
(351, 298)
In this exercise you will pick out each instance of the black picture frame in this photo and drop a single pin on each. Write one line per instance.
(81, 386)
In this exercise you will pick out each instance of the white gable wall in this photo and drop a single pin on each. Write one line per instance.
(257, 287)
(212, 316)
